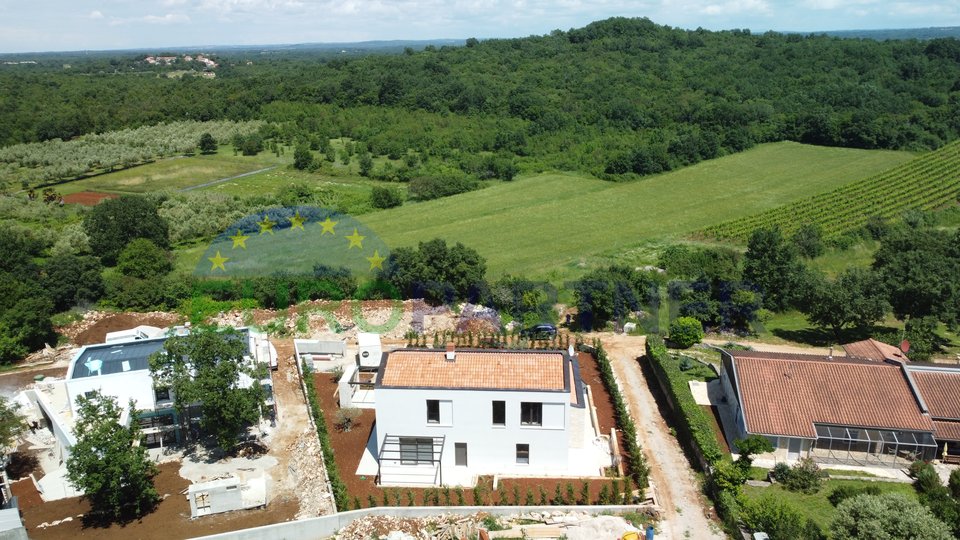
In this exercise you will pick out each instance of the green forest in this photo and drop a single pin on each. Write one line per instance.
(617, 98)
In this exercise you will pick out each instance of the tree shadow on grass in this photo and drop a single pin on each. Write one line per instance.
(822, 337)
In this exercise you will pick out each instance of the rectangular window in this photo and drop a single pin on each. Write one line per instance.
(531, 414)
(523, 453)
(414, 450)
(161, 394)
(499, 413)
(460, 454)
(433, 411)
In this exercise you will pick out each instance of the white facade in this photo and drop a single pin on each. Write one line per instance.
(450, 436)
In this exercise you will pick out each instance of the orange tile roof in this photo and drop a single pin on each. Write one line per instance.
(946, 431)
(785, 394)
(940, 390)
(474, 369)
(872, 349)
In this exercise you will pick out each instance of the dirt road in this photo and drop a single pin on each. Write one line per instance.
(677, 487)
(773, 347)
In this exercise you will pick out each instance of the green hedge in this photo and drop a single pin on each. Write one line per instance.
(340, 497)
(695, 424)
(636, 464)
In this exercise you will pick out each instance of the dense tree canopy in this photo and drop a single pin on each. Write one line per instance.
(772, 266)
(115, 222)
(114, 473)
(890, 516)
(436, 272)
(618, 97)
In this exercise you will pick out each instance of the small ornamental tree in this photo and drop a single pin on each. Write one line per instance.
(749, 447)
(12, 423)
(685, 332)
(114, 473)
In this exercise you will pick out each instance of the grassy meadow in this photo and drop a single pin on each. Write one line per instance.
(555, 225)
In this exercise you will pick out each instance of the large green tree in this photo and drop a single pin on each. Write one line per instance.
(108, 464)
(921, 270)
(113, 223)
(436, 272)
(890, 516)
(207, 367)
(771, 264)
(73, 279)
(856, 298)
(144, 259)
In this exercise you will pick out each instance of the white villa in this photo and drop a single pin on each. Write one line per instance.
(120, 368)
(446, 417)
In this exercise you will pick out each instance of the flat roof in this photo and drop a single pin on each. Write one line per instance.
(475, 369)
(96, 360)
(110, 358)
(785, 394)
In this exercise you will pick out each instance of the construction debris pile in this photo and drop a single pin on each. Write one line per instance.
(549, 524)
(306, 467)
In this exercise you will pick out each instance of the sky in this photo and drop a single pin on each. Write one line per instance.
(68, 25)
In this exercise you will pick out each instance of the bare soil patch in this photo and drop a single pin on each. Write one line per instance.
(88, 198)
(96, 324)
(171, 519)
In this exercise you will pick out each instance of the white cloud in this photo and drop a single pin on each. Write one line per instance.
(737, 6)
(169, 18)
(95, 14)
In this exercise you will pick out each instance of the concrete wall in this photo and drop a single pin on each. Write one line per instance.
(466, 417)
(223, 496)
(326, 526)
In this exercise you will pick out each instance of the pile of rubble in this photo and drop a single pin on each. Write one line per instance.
(442, 527)
(311, 479)
(60, 355)
(547, 524)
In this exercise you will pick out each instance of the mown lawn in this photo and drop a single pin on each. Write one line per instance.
(172, 173)
(816, 506)
(556, 225)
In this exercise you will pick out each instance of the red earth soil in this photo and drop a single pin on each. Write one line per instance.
(97, 332)
(88, 198)
(171, 518)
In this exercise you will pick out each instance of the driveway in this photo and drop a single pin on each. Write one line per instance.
(677, 488)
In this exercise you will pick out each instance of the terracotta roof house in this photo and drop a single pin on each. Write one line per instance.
(448, 416)
(871, 349)
(939, 388)
(835, 410)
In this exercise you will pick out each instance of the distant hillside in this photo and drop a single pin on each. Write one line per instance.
(619, 98)
(925, 183)
(898, 33)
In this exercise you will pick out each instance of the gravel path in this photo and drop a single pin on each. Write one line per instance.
(676, 485)
(771, 347)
